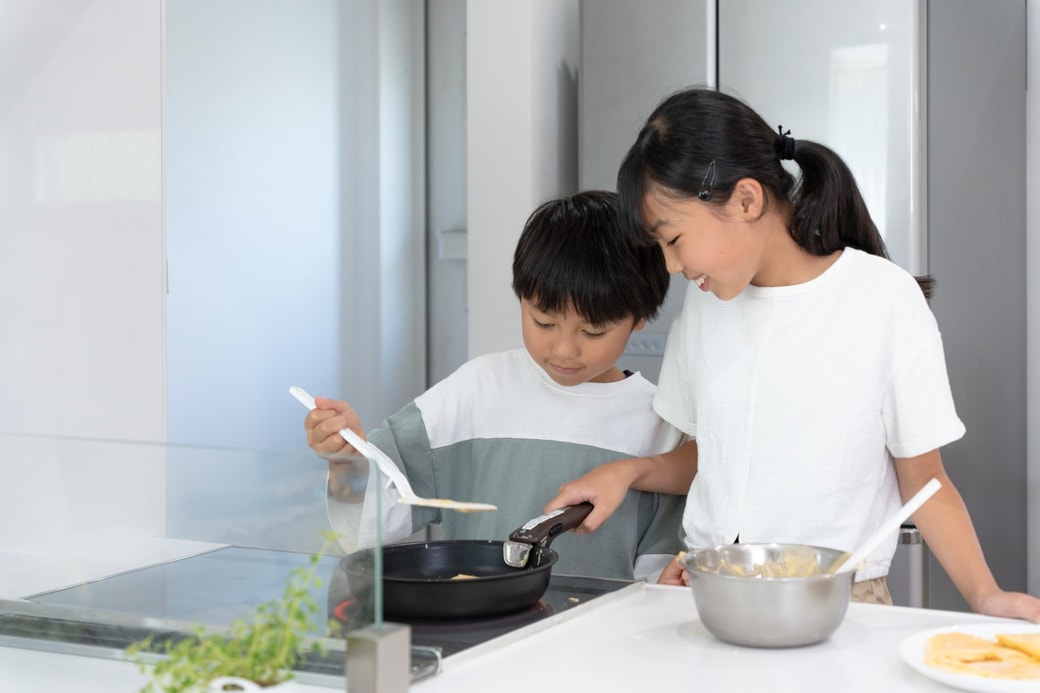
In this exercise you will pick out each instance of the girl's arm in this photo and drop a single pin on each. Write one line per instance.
(606, 485)
(946, 527)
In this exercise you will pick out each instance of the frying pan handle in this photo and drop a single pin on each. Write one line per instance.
(543, 529)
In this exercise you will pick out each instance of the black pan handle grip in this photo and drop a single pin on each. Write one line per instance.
(541, 530)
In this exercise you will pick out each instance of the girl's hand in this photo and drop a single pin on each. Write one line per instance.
(1011, 605)
(605, 487)
(674, 573)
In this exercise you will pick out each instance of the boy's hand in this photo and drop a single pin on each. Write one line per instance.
(347, 469)
(675, 573)
(605, 487)
(324, 422)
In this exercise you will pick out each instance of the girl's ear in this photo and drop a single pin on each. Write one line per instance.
(750, 198)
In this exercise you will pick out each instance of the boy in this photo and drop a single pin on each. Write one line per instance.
(509, 428)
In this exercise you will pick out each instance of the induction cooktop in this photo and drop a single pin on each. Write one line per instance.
(217, 587)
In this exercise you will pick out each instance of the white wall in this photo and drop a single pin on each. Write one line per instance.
(295, 208)
(81, 239)
(283, 139)
(81, 277)
(521, 138)
(252, 119)
(382, 197)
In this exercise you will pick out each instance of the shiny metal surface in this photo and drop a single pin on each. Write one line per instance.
(766, 612)
(515, 553)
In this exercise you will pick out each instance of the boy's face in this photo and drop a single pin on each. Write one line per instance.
(571, 350)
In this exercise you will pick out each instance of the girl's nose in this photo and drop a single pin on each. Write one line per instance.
(671, 261)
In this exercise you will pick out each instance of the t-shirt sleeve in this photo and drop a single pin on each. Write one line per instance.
(918, 410)
(404, 439)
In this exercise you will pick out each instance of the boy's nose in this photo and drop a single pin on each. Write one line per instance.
(565, 346)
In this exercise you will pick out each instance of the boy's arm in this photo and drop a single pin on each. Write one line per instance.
(948, 531)
(352, 483)
(354, 519)
(606, 485)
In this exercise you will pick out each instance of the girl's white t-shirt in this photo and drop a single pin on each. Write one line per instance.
(799, 397)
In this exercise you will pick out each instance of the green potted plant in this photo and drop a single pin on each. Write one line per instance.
(256, 652)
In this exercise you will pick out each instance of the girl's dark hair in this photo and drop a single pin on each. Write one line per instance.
(699, 142)
(572, 252)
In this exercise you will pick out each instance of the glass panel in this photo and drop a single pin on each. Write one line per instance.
(103, 543)
(853, 83)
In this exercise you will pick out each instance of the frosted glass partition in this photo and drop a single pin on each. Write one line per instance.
(854, 82)
(104, 542)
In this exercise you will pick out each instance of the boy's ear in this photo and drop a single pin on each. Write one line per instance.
(750, 198)
(640, 324)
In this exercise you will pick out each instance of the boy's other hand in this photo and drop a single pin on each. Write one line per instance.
(605, 487)
(674, 573)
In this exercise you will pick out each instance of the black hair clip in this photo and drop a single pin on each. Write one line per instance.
(708, 182)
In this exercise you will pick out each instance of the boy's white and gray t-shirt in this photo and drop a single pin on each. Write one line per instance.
(500, 430)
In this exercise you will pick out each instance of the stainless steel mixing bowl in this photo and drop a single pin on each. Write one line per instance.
(768, 611)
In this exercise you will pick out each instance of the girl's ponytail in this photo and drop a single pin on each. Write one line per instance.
(829, 211)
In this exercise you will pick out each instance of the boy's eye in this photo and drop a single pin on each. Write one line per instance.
(543, 325)
(594, 335)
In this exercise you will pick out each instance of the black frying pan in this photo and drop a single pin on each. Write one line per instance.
(463, 578)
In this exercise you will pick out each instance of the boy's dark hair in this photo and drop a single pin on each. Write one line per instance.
(699, 136)
(572, 253)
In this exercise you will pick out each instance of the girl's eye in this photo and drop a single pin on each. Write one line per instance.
(672, 241)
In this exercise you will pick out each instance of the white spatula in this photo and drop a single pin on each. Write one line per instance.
(850, 561)
(387, 467)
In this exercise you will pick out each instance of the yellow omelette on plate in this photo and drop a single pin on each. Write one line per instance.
(1012, 656)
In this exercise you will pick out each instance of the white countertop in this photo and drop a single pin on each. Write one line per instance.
(644, 637)
(651, 638)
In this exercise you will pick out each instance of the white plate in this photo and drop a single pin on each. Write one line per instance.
(912, 651)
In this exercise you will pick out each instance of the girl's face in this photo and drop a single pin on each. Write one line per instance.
(571, 350)
(714, 246)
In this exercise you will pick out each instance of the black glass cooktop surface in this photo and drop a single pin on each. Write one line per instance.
(217, 587)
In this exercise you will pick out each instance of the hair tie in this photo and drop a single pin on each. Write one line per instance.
(784, 143)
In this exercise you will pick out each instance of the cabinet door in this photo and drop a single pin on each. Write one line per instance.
(854, 83)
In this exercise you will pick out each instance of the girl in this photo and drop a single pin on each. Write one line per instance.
(806, 366)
